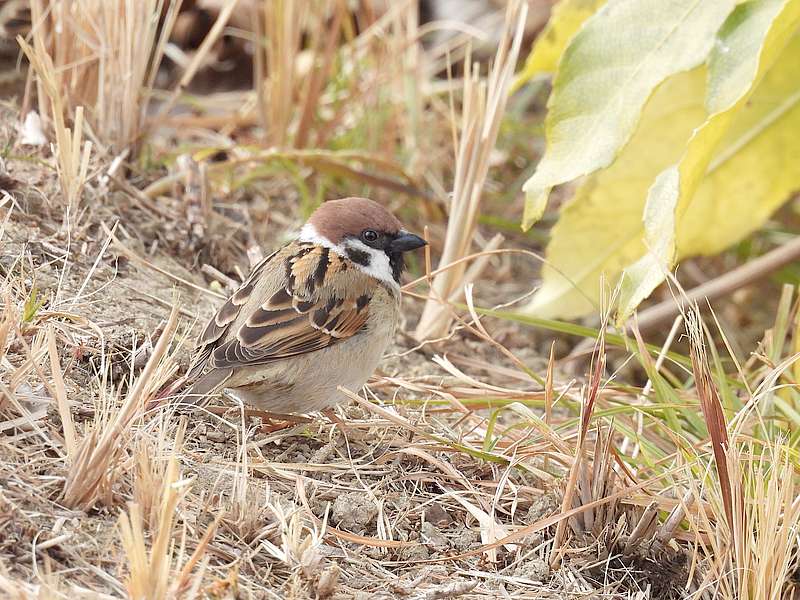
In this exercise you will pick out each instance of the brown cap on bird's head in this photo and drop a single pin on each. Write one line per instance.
(338, 219)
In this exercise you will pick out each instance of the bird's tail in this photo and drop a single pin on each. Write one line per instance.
(187, 390)
(207, 384)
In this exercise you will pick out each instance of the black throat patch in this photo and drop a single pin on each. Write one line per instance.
(398, 265)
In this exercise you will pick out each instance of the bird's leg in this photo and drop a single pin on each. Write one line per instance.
(272, 422)
(331, 414)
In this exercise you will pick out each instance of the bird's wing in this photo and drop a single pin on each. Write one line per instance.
(219, 325)
(300, 316)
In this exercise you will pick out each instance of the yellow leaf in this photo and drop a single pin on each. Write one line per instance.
(607, 73)
(566, 19)
(535, 207)
(600, 229)
(659, 232)
(755, 169)
(749, 44)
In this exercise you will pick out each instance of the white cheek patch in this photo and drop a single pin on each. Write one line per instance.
(378, 265)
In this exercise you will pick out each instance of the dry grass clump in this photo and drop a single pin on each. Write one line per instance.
(93, 467)
(328, 71)
(748, 504)
(72, 157)
(94, 64)
(483, 106)
(757, 556)
(152, 574)
(101, 56)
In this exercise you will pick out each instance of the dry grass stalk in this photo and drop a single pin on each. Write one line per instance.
(754, 559)
(549, 394)
(286, 75)
(99, 452)
(322, 54)
(102, 55)
(402, 40)
(150, 576)
(200, 56)
(70, 437)
(6, 325)
(571, 493)
(483, 106)
(710, 405)
(675, 517)
(276, 67)
(72, 163)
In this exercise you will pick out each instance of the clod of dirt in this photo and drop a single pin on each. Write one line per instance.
(354, 512)
(547, 504)
(415, 553)
(328, 581)
(465, 539)
(663, 573)
(433, 537)
(437, 515)
(535, 569)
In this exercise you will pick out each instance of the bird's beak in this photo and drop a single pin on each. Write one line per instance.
(405, 241)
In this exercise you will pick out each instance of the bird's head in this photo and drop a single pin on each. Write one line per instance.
(365, 233)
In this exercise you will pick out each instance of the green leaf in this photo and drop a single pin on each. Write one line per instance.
(608, 71)
(565, 20)
(747, 46)
(32, 305)
(749, 43)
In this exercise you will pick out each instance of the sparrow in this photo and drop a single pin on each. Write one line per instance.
(314, 315)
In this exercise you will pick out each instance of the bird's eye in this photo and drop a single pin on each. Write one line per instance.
(369, 236)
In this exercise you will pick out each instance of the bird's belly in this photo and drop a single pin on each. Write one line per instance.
(309, 382)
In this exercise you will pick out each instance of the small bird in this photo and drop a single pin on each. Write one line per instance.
(314, 315)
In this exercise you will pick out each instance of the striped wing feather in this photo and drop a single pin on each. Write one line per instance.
(301, 317)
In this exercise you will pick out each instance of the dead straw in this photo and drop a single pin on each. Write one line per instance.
(483, 106)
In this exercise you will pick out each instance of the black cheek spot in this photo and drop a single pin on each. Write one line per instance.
(398, 265)
(358, 256)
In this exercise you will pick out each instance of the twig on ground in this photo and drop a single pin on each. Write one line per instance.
(726, 283)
